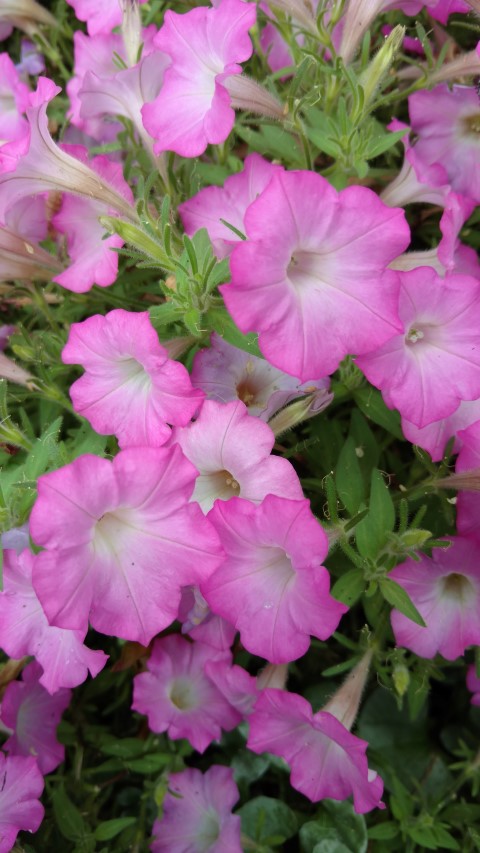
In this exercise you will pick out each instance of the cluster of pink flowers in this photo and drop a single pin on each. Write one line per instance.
(196, 520)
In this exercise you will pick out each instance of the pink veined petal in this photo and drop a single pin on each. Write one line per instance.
(22, 785)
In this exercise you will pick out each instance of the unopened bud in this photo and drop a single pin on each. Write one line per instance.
(381, 62)
(131, 30)
(137, 238)
(300, 410)
(401, 679)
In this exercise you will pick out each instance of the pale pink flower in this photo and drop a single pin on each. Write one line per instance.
(326, 760)
(21, 785)
(46, 167)
(311, 278)
(212, 204)
(119, 553)
(32, 715)
(24, 629)
(197, 813)
(227, 373)
(100, 17)
(435, 363)
(131, 388)
(435, 435)
(359, 16)
(95, 54)
(238, 687)
(445, 589)
(473, 684)
(446, 122)
(442, 9)
(231, 451)
(177, 695)
(272, 585)
(194, 107)
(14, 132)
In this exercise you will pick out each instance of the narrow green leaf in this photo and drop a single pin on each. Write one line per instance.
(349, 587)
(370, 402)
(110, 828)
(348, 478)
(398, 598)
(68, 818)
(372, 532)
(384, 831)
(220, 321)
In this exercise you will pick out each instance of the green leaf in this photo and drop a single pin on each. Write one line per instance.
(338, 828)
(348, 478)
(220, 321)
(370, 402)
(162, 315)
(445, 840)
(331, 845)
(110, 828)
(149, 763)
(379, 144)
(398, 598)
(372, 532)
(384, 831)
(69, 820)
(349, 587)
(264, 819)
(128, 747)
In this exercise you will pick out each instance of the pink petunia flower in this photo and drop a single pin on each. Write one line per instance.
(25, 225)
(416, 181)
(197, 813)
(131, 388)
(194, 107)
(120, 553)
(99, 17)
(272, 585)
(468, 502)
(435, 363)
(445, 589)
(227, 373)
(21, 785)
(231, 451)
(326, 760)
(201, 624)
(32, 715)
(212, 204)
(435, 435)
(24, 630)
(473, 684)
(14, 132)
(177, 695)
(311, 279)
(446, 123)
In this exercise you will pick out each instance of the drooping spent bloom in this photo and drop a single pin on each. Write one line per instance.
(178, 697)
(473, 684)
(99, 17)
(25, 630)
(211, 205)
(32, 715)
(197, 813)
(227, 373)
(194, 107)
(120, 553)
(435, 436)
(326, 760)
(359, 16)
(434, 363)
(92, 258)
(447, 124)
(46, 167)
(130, 388)
(445, 589)
(231, 451)
(21, 785)
(14, 130)
(25, 225)
(272, 585)
(311, 279)
(24, 14)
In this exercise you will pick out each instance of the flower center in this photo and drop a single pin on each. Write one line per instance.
(414, 335)
(208, 832)
(246, 392)
(458, 587)
(471, 125)
(182, 694)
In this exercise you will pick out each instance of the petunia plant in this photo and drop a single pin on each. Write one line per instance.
(239, 426)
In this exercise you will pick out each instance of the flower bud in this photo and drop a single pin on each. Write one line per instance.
(300, 410)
